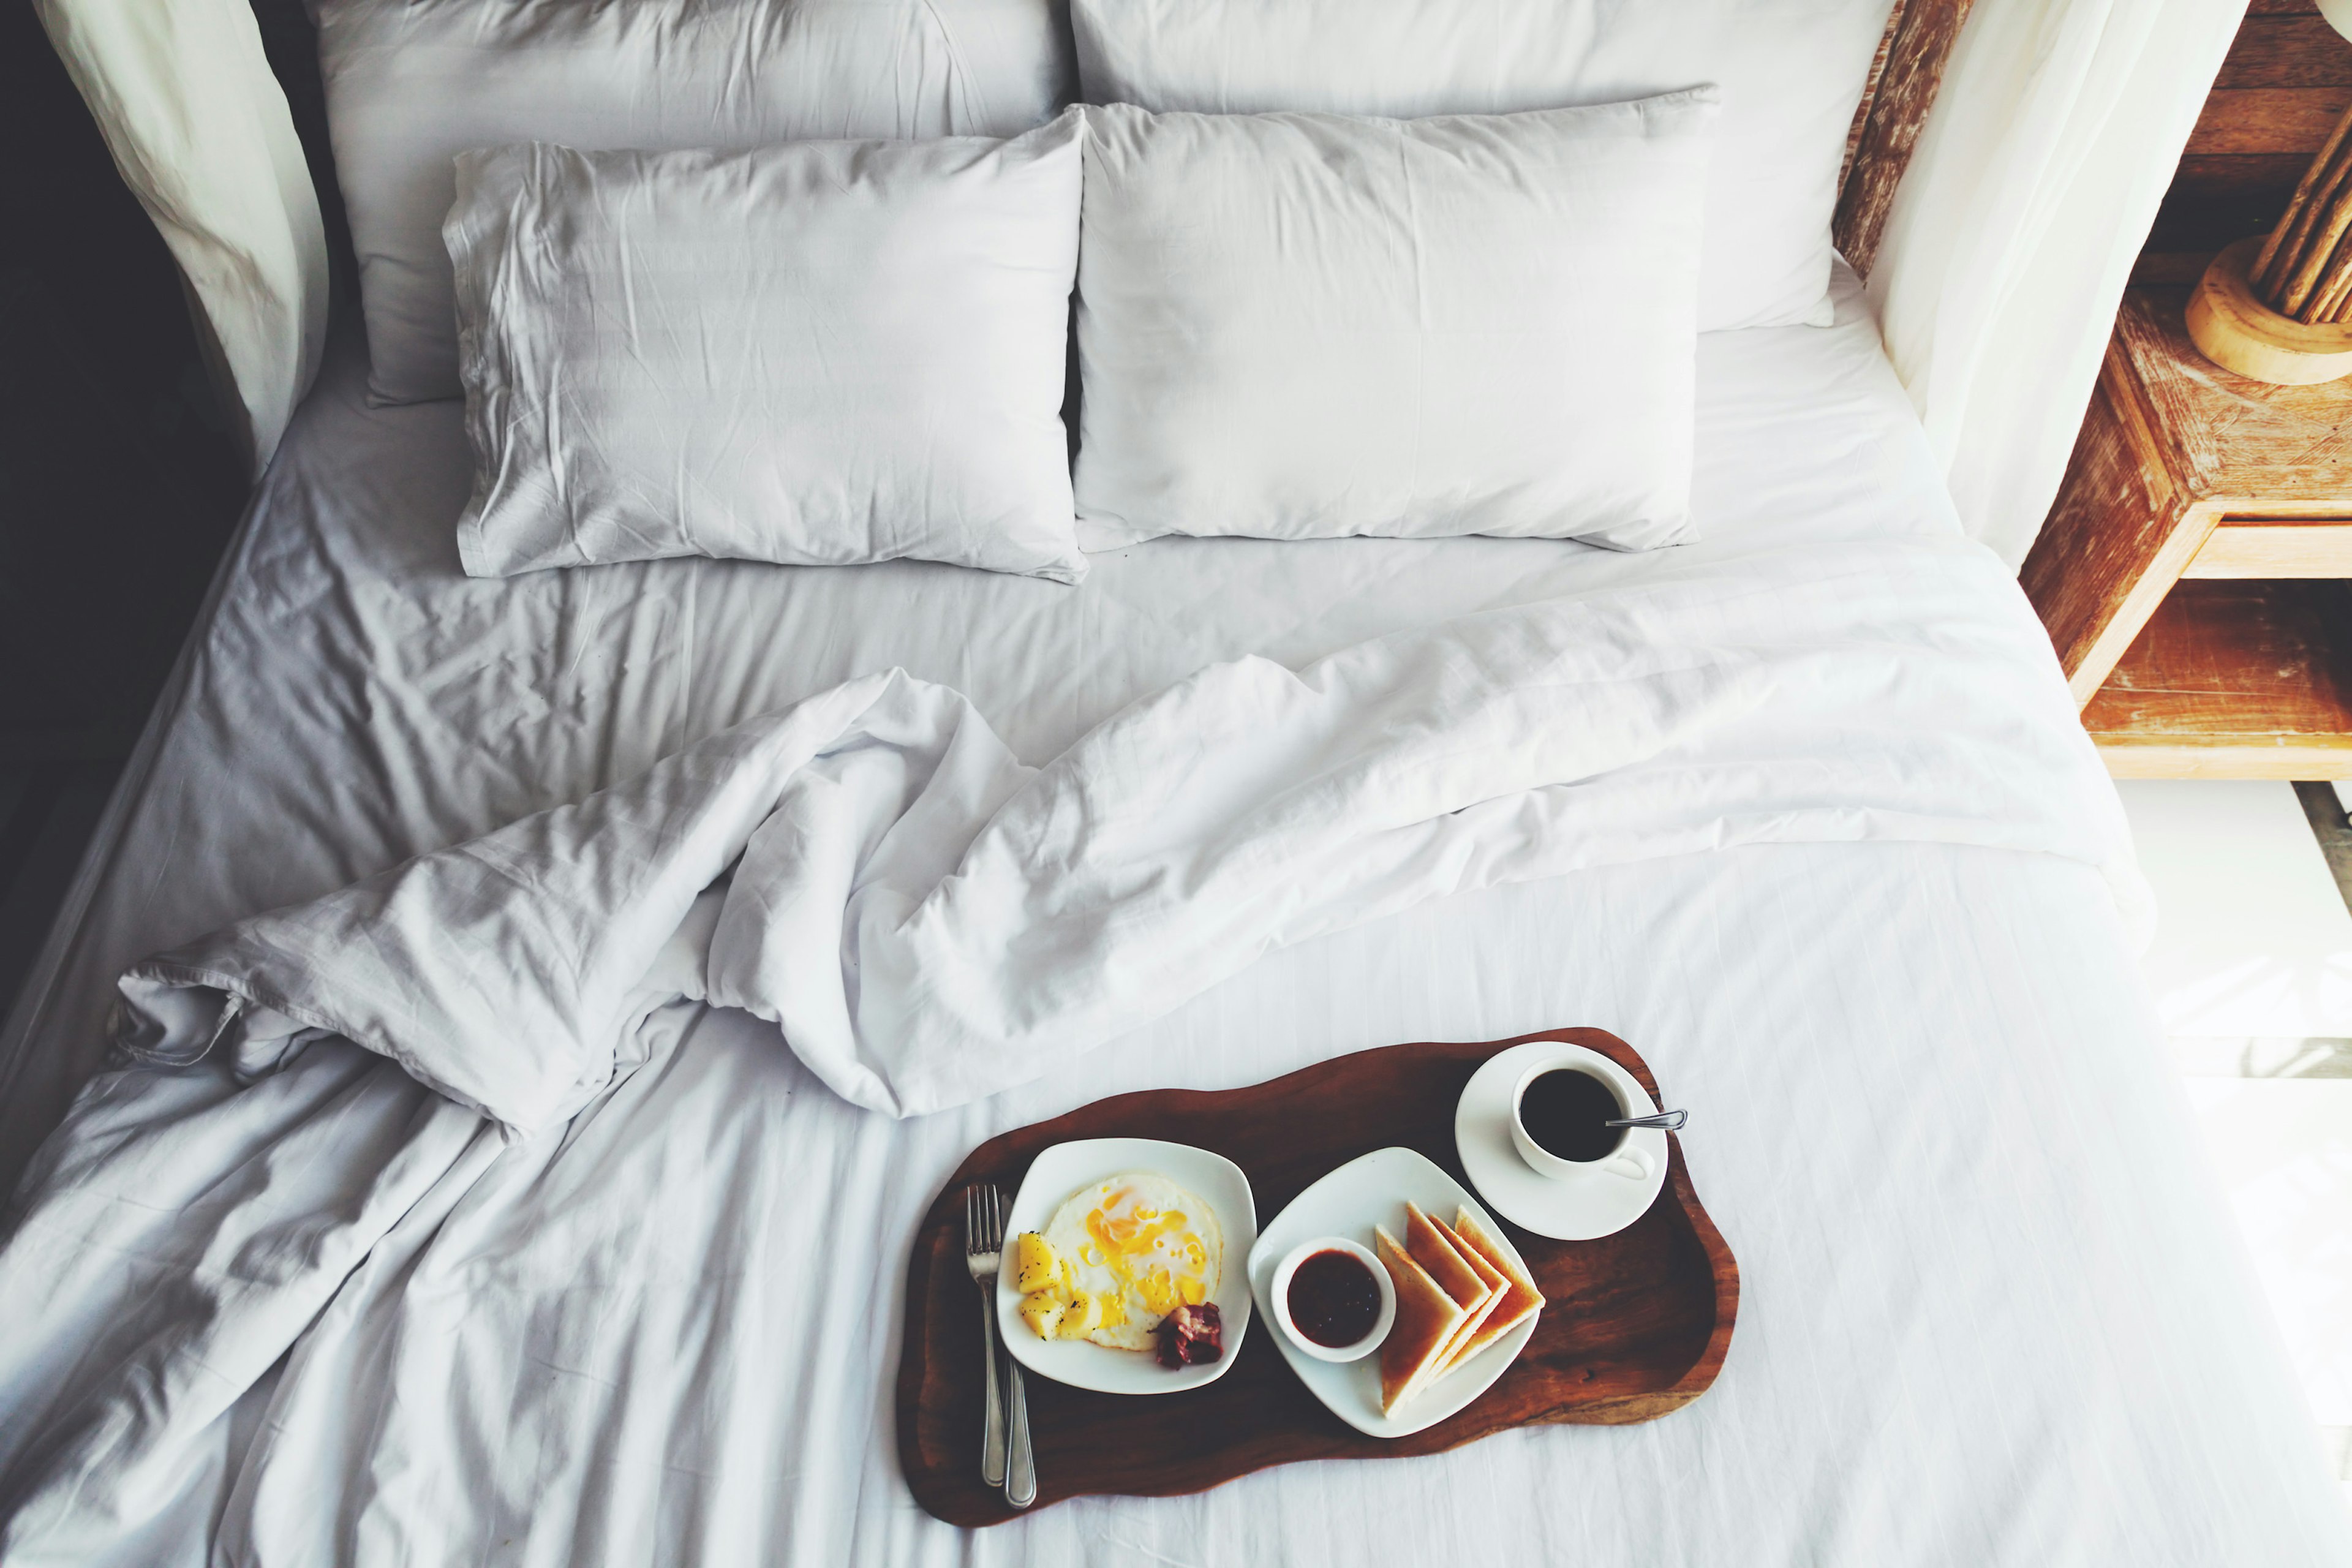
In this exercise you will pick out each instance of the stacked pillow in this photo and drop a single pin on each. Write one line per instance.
(1791, 72)
(818, 353)
(1308, 326)
(1348, 266)
(413, 84)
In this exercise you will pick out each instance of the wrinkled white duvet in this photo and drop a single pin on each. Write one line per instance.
(931, 920)
(1992, 1314)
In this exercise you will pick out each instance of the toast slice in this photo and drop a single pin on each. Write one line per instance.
(1427, 1320)
(1499, 1290)
(1521, 1299)
(1466, 1282)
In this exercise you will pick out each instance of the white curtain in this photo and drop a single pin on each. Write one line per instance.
(201, 132)
(2031, 189)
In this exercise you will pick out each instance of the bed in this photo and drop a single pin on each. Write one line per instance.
(1981, 1318)
(1991, 1312)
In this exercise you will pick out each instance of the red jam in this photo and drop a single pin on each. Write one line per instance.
(1333, 1298)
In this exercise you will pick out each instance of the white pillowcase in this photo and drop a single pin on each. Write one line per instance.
(1791, 72)
(1303, 326)
(822, 352)
(411, 83)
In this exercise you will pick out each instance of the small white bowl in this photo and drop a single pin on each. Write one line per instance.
(1281, 1292)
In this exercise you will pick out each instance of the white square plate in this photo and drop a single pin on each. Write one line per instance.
(1063, 1169)
(1364, 1193)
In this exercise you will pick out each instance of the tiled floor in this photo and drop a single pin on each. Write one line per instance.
(2252, 972)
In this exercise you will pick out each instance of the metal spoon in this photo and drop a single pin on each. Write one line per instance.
(1664, 1121)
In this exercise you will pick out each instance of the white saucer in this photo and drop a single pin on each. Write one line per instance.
(1579, 1210)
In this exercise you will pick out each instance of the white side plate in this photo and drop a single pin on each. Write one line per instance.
(1350, 1202)
(1065, 1168)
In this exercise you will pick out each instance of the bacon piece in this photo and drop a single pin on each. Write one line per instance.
(1192, 1335)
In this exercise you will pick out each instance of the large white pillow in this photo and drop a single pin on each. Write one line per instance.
(411, 83)
(1303, 326)
(1791, 72)
(820, 353)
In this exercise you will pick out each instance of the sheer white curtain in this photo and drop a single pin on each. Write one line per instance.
(201, 132)
(2035, 178)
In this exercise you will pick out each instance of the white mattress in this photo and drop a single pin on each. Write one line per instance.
(1991, 1312)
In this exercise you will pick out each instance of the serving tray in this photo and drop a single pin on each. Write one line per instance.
(1635, 1325)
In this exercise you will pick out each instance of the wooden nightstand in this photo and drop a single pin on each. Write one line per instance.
(2191, 574)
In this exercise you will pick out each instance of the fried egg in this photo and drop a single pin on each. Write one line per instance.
(1142, 1241)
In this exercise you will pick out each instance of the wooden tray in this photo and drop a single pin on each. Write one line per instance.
(1636, 1325)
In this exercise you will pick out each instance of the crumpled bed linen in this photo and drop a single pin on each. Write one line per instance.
(932, 920)
(1992, 1312)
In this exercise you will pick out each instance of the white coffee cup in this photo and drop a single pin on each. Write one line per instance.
(1629, 1162)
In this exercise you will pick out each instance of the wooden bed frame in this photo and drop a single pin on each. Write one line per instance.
(1894, 104)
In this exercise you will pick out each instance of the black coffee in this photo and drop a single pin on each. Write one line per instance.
(1567, 1112)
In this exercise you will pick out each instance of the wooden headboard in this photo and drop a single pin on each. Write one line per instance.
(1895, 103)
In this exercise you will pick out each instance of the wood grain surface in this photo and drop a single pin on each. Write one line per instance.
(2249, 446)
(2294, 120)
(2275, 547)
(2234, 680)
(1870, 89)
(2268, 113)
(2291, 48)
(1636, 1325)
(2238, 323)
(2173, 447)
(1902, 89)
(2125, 525)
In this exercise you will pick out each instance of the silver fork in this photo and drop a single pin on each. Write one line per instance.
(983, 1244)
(1021, 1464)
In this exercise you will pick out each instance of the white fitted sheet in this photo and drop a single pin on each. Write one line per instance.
(1991, 1313)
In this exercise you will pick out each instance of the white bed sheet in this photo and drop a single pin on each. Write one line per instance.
(357, 700)
(1991, 1313)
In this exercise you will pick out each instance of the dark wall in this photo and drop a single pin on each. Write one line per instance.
(120, 478)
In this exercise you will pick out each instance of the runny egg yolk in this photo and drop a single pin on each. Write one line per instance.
(1154, 1255)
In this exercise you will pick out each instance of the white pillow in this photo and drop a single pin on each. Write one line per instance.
(1301, 326)
(1791, 72)
(411, 83)
(821, 352)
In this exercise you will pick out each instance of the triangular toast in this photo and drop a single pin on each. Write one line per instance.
(1427, 1319)
(1499, 1290)
(1521, 1299)
(1466, 1282)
